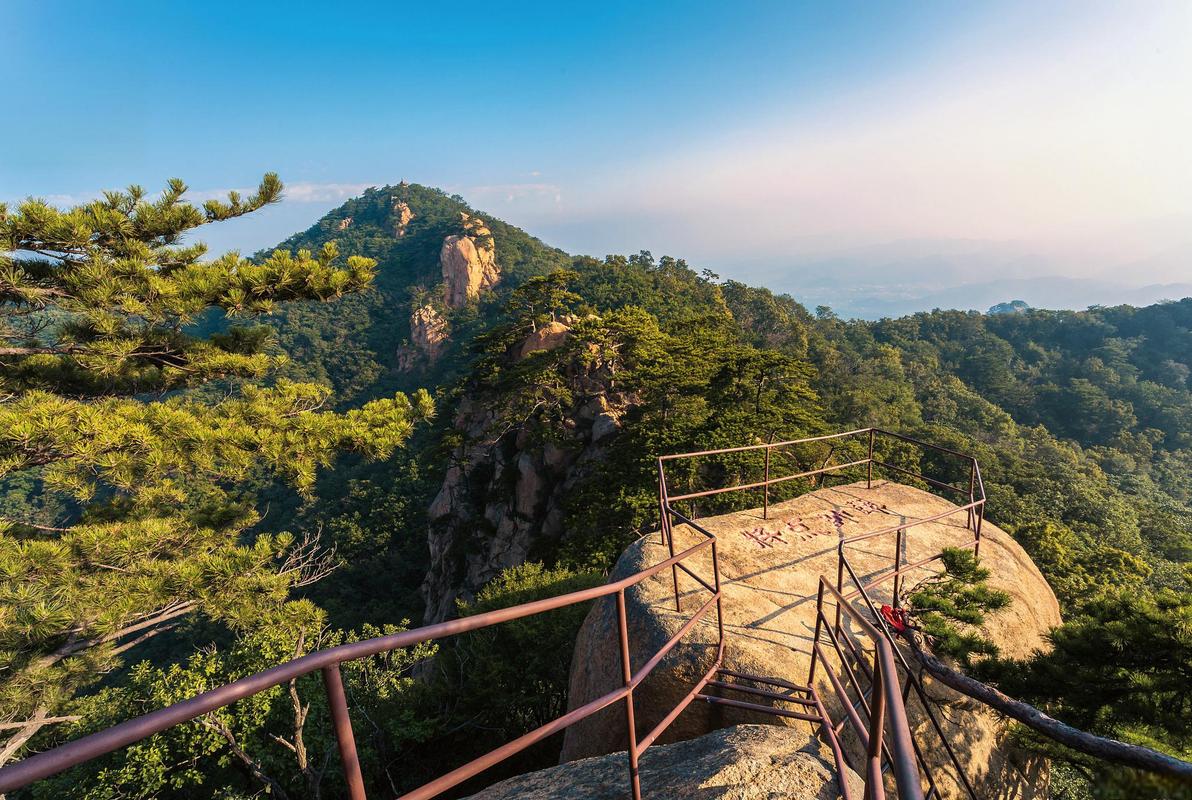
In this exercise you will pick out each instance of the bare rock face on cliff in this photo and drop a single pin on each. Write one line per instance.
(748, 762)
(769, 574)
(428, 338)
(548, 337)
(502, 498)
(468, 263)
(402, 216)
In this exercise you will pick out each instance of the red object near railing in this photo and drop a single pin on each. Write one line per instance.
(883, 702)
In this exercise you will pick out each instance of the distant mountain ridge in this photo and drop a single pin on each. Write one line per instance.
(1059, 293)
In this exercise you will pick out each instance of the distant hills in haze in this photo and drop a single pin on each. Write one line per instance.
(877, 301)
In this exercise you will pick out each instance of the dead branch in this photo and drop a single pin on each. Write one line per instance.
(1129, 755)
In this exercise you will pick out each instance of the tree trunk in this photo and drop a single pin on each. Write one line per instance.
(1130, 755)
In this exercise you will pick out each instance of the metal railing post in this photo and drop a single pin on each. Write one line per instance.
(344, 737)
(766, 488)
(716, 583)
(897, 565)
(972, 519)
(869, 477)
(977, 537)
(627, 676)
(669, 535)
(874, 787)
(819, 617)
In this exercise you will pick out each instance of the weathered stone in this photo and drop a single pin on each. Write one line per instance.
(747, 762)
(344, 224)
(402, 216)
(529, 485)
(468, 263)
(555, 456)
(604, 426)
(769, 571)
(484, 519)
(548, 337)
(428, 336)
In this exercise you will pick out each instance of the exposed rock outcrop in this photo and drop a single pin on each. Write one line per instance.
(428, 338)
(548, 337)
(502, 500)
(344, 224)
(402, 216)
(748, 762)
(468, 262)
(769, 573)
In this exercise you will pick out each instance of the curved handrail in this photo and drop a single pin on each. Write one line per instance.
(888, 697)
(58, 759)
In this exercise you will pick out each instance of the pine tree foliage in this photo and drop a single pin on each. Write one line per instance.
(96, 298)
(951, 606)
(99, 371)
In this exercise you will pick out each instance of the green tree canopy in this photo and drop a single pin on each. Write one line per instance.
(100, 373)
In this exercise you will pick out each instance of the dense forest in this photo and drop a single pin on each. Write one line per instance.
(1082, 422)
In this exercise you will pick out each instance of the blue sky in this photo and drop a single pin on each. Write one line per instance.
(765, 140)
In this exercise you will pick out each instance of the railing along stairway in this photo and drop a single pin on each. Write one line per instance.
(873, 684)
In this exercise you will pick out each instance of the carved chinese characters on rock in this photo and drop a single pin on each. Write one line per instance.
(797, 528)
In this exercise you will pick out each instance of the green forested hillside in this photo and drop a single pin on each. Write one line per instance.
(1082, 422)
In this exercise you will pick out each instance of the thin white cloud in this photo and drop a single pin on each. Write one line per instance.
(511, 192)
(1071, 146)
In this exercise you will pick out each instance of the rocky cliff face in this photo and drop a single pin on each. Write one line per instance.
(502, 499)
(402, 216)
(428, 338)
(468, 263)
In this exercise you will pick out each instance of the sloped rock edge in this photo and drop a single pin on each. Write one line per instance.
(747, 762)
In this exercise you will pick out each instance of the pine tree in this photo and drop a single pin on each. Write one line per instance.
(102, 403)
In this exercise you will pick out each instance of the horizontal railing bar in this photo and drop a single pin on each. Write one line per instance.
(770, 446)
(920, 476)
(696, 578)
(476, 766)
(922, 443)
(820, 471)
(778, 712)
(761, 484)
(860, 537)
(736, 687)
(688, 521)
(903, 570)
(649, 666)
(125, 733)
(765, 679)
(674, 713)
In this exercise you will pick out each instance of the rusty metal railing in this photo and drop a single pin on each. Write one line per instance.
(884, 700)
(63, 757)
(902, 753)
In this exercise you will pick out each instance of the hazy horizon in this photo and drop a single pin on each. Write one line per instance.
(844, 155)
